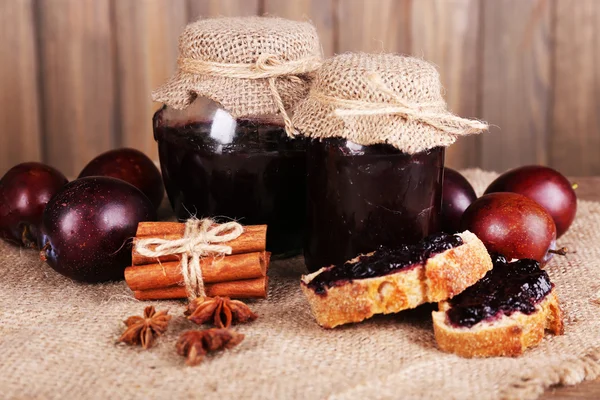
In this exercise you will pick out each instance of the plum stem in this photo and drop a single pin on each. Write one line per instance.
(43, 252)
(563, 251)
(25, 237)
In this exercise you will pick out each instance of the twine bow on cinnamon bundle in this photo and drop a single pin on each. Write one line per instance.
(198, 258)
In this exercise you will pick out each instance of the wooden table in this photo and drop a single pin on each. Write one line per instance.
(589, 189)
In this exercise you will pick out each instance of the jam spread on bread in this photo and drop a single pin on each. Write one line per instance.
(509, 287)
(384, 261)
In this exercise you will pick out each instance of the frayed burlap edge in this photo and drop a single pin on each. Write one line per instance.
(249, 65)
(317, 120)
(566, 373)
(381, 99)
(183, 88)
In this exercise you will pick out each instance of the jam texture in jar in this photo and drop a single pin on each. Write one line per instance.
(364, 197)
(247, 170)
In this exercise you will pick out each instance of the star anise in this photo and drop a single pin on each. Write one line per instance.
(196, 344)
(144, 330)
(221, 310)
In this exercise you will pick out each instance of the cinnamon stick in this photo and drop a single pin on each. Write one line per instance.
(214, 269)
(249, 288)
(254, 239)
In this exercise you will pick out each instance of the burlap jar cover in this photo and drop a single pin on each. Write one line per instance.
(249, 65)
(381, 98)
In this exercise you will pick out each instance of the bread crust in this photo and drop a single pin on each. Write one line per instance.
(441, 277)
(451, 272)
(507, 336)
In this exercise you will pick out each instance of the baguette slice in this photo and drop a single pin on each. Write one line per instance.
(503, 314)
(506, 336)
(442, 276)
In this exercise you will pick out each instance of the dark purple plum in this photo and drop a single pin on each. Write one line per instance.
(133, 167)
(88, 226)
(457, 195)
(544, 185)
(512, 225)
(24, 192)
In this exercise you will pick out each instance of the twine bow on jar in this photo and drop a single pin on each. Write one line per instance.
(431, 113)
(267, 66)
(201, 238)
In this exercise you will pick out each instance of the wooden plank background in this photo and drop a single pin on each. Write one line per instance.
(76, 75)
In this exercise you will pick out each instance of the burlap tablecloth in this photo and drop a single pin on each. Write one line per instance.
(57, 340)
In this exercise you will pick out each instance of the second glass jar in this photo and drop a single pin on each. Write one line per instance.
(364, 197)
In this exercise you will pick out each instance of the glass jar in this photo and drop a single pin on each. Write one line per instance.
(248, 170)
(364, 197)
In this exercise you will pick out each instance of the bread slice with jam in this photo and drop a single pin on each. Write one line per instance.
(506, 312)
(391, 280)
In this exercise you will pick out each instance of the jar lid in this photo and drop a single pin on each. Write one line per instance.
(381, 99)
(249, 65)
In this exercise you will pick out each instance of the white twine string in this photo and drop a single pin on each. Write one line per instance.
(267, 66)
(431, 113)
(201, 238)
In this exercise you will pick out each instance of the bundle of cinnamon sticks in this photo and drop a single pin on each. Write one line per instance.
(243, 274)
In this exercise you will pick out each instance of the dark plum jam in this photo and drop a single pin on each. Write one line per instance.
(363, 197)
(246, 170)
(384, 261)
(509, 287)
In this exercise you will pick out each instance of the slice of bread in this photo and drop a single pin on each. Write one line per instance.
(441, 277)
(505, 336)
